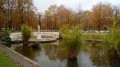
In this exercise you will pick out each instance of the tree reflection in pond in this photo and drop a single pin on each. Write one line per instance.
(99, 57)
(72, 62)
(52, 55)
(51, 51)
(55, 52)
(27, 51)
(114, 58)
(102, 57)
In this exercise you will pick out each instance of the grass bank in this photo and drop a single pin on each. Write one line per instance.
(5, 62)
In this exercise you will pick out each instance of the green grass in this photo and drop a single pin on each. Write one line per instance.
(5, 62)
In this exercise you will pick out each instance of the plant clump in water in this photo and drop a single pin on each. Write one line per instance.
(112, 39)
(72, 40)
(26, 33)
(111, 43)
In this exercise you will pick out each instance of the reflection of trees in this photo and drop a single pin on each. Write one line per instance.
(72, 62)
(114, 58)
(72, 53)
(60, 52)
(55, 52)
(27, 51)
(99, 57)
(51, 51)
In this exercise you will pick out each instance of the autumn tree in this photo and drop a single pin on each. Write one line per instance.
(102, 15)
(9, 6)
(13, 13)
(116, 14)
(56, 16)
(50, 17)
(2, 13)
(64, 15)
(21, 6)
(68, 16)
(86, 20)
(24, 13)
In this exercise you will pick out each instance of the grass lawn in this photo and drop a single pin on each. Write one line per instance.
(5, 62)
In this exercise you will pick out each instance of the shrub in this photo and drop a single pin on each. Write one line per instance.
(26, 33)
(72, 40)
(7, 32)
(6, 40)
(112, 40)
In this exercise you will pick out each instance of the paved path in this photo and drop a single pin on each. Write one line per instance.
(32, 40)
(18, 58)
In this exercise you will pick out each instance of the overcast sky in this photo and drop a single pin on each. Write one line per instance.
(43, 5)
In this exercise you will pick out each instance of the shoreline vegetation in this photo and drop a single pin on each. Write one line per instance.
(6, 62)
(100, 24)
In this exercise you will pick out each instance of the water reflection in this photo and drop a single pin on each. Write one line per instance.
(51, 51)
(28, 52)
(114, 58)
(55, 52)
(52, 55)
(72, 62)
(56, 56)
(104, 58)
(99, 57)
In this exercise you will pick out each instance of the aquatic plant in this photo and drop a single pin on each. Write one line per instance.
(72, 39)
(26, 33)
(111, 41)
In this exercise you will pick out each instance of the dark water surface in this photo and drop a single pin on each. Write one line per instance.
(55, 55)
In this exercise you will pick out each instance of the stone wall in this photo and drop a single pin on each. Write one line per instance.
(18, 58)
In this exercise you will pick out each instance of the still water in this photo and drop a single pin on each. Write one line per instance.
(54, 55)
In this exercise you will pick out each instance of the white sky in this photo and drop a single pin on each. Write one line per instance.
(43, 5)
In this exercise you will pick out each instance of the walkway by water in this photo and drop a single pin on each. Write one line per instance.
(21, 60)
(36, 37)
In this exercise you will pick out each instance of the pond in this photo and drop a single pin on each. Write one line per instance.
(54, 55)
